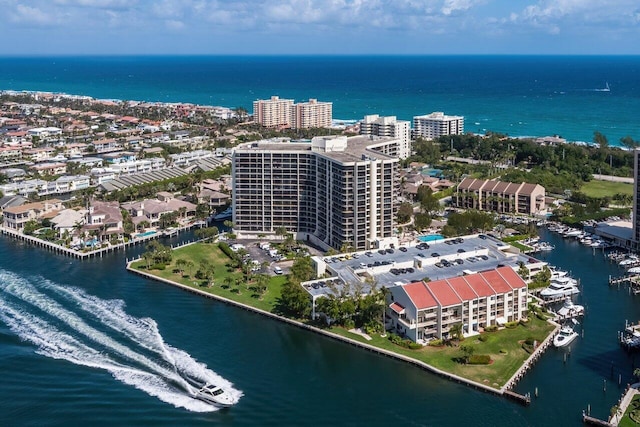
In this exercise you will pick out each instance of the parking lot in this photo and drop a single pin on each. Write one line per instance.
(436, 260)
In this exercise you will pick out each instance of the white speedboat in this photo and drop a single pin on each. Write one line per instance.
(628, 261)
(569, 309)
(560, 288)
(565, 336)
(214, 395)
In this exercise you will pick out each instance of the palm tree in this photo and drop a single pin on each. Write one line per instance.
(456, 331)
(181, 265)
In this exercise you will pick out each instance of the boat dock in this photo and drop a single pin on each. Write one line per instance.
(87, 253)
(632, 280)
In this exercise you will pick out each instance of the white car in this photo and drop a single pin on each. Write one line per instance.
(277, 270)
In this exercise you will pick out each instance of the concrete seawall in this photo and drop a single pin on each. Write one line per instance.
(422, 365)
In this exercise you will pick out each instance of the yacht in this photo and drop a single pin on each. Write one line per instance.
(556, 274)
(629, 261)
(569, 309)
(560, 288)
(214, 395)
(565, 336)
(572, 232)
(544, 246)
(224, 215)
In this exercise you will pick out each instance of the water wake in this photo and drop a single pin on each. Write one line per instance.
(69, 324)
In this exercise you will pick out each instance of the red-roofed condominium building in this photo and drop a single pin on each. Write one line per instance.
(498, 196)
(424, 311)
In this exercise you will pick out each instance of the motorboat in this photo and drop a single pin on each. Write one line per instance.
(214, 395)
(565, 336)
(224, 215)
(572, 232)
(560, 288)
(569, 309)
(629, 261)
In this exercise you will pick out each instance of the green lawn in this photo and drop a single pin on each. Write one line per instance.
(595, 188)
(626, 421)
(521, 246)
(213, 255)
(503, 346)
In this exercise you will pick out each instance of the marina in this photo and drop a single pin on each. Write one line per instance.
(546, 377)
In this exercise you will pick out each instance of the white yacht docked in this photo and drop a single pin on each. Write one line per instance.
(569, 309)
(565, 336)
(560, 287)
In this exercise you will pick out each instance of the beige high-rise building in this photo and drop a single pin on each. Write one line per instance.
(389, 127)
(273, 113)
(335, 191)
(283, 113)
(437, 124)
(312, 114)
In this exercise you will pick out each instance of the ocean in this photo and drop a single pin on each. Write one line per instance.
(514, 95)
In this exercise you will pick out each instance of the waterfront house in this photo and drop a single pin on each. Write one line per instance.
(16, 216)
(104, 220)
(150, 210)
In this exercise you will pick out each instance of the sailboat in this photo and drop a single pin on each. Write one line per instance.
(605, 89)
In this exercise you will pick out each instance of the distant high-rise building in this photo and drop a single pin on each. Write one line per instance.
(335, 191)
(283, 113)
(273, 113)
(389, 127)
(435, 125)
(312, 114)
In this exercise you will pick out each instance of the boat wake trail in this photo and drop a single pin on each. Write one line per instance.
(69, 324)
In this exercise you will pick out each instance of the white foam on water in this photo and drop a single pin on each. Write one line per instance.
(32, 315)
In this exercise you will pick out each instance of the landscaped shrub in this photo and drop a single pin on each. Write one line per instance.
(491, 328)
(483, 338)
(227, 250)
(414, 345)
(479, 359)
(530, 341)
(158, 267)
(349, 324)
(510, 325)
(436, 343)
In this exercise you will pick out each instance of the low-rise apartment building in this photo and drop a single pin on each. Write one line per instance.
(500, 197)
(423, 311)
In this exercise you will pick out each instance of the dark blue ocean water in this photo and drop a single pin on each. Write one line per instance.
(516, 95)
(88, 343)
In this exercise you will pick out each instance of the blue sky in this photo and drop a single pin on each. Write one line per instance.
(41, 27)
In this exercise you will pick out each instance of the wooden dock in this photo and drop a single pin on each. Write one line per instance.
(591, 421)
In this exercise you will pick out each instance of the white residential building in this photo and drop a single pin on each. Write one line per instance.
(389, 127)
(435, 125)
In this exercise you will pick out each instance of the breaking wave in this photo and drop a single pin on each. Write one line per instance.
(69, 324)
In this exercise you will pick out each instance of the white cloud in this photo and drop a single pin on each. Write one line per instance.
(173, 24)
(98, 4)
(31, 15)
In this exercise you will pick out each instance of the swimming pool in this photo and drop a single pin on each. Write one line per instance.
(146, 233)
(431, 237)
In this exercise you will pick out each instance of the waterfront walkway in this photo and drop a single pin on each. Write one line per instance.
(624, 403)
